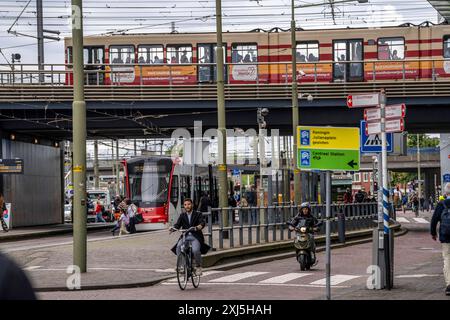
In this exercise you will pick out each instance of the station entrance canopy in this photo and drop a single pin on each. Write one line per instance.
(443, 7)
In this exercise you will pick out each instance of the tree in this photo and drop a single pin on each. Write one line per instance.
(425, 141)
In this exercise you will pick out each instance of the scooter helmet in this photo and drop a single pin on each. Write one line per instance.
(305, 205)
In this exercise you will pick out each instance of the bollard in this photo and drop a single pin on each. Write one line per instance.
(341, 225)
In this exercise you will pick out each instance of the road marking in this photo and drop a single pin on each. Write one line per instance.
(237, 277)
(418, 275)
(420, 220)
(261, 284)
(30, 268)
(204, 274)
(335, 280)
(285, 278)
(402, 220)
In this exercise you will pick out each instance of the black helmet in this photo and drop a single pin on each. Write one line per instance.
(305, 205)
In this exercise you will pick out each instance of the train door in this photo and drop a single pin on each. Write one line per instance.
(207, 72)
(94, 58)
(175, 199)
(348, 51)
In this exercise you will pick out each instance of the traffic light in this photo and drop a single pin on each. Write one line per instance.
(375, 186)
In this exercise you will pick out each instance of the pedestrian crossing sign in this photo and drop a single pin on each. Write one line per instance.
(372, 143)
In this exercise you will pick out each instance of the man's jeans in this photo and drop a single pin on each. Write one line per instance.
(446, 256)
(99, 218)
(195, 248)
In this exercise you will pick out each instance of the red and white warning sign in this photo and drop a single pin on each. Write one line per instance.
(395, 111)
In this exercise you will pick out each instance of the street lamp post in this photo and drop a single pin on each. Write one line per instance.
(419, 187)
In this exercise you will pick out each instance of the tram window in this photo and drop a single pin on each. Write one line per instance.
(69, 55)
(447, 46)
(150, 54)
(121, 54)
(179, 54)
(244, 53)
(391, 49)
(307, 51)
(174, 190)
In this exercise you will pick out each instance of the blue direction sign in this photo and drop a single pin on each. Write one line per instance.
(236, 172)
(446, 178)
(372, 143)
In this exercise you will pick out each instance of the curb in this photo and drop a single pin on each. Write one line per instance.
(47, 233)
(223, 267)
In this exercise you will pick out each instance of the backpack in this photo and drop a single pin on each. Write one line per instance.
(444, 229)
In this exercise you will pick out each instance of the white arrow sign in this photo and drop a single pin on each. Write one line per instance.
(372, 114)
(396, 125)
(395, 111)
(363, 100)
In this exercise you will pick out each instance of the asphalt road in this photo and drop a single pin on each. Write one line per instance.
(418, 275)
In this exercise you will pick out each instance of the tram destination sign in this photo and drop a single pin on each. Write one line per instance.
(11, 166)
(328, 148)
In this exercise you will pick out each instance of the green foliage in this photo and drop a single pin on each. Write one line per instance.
(424, 141)
(402, 178)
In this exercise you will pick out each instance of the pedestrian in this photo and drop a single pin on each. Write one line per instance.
(3, 212)
(442, 216)
(359, 197)
(404, 202)
(14, 284)
(132, 211)
(99, 211)
(348, 197)
(124, 220)
(431, 203)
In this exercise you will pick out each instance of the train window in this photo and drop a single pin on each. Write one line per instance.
(244, 53)
(391, 49)
(307, 51)
(150, 54)
(447, 46)
(121, 54)
(179, 54)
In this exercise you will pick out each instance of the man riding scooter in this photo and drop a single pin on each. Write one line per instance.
(306, 222)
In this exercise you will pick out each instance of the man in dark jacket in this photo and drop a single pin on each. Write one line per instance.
(442, 215)
(186, 220)
(14, 284)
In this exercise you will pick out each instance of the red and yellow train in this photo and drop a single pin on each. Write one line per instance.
(407, 52)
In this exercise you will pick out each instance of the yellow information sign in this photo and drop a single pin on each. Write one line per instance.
(328, 138)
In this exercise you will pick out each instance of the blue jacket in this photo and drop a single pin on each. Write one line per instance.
(444, 238)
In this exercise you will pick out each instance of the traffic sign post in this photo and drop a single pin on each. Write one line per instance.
(363, 100)
(328, 149)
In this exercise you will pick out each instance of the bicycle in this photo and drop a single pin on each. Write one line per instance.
(185, 269)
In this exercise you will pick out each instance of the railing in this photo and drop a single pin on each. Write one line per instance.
(411, 78)
(255, 72)
(244, 226)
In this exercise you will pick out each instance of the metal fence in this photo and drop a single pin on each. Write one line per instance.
(244, 225)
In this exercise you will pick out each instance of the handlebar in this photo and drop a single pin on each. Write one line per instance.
(182, 230)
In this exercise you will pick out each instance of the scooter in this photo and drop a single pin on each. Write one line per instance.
(304, 244)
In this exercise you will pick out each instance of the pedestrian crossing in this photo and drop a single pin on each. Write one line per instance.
(412, 220)
(264, 278)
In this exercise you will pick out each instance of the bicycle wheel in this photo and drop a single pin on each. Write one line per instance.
(182, 271)
(194, 277)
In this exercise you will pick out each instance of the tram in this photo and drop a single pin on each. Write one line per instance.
(158, 185)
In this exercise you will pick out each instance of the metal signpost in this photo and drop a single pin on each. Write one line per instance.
(328, 149)
(381, 120)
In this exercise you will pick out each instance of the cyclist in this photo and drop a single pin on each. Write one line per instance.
(186, 220)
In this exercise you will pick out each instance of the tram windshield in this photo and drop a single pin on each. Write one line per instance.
(149, 182)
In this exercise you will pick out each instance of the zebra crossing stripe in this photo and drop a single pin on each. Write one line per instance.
(334, 280)
(285, 278)
(420, 220)
(204, 274)
(402, 220)
(238, 276)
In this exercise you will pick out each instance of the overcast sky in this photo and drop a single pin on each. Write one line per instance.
(106, 16)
